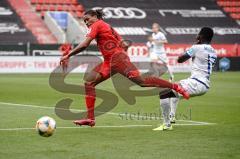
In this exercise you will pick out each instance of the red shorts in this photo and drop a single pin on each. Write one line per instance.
(119, 63)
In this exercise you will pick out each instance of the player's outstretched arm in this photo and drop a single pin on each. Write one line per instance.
(183, 58)
(82, 46)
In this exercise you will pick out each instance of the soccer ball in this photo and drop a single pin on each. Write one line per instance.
(46, 126)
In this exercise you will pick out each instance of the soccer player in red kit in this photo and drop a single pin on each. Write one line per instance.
(116, 60)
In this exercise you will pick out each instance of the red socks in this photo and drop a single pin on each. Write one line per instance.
(90, 100)
(157, 82)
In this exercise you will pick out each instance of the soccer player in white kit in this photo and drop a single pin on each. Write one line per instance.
(157, 52)
(204, 58)
(159, 59)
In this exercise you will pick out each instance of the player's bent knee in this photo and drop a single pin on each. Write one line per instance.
(166, 94)
(137, 80)
(90, 84)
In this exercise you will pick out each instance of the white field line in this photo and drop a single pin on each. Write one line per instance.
(78, 127)
(110, 113)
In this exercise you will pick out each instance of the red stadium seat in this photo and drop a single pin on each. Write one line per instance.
(71, 8)
(55, 1)
(48, 1)
(52, 8)
(74, 2)
(59, 8)
(34, 1)
(235, 16)
(238, 10)
(80, 8)
(65, 8)
(44, 7)
(68, 2)
(52, 2)
(41, 1)
(63, 2)
(38, 7)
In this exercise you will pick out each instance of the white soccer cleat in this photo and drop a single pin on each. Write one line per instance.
(172, 119)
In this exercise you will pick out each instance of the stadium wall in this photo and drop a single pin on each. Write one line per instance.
(34, 58)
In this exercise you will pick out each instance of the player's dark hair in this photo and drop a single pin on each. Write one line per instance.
(206, 34)
(98, 13)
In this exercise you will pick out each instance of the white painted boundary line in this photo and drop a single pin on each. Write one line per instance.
(78, 127)
(110, 113)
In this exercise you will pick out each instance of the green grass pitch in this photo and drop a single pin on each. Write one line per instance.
(188, 140)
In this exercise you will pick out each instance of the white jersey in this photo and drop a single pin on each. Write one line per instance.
(158, 48)
(204, 58)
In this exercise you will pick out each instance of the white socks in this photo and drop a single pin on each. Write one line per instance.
(168, 109)
(165, 106)
(173, 106)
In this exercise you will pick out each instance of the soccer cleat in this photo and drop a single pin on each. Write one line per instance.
(181, 90)
(163, 127)
(172, 119)
(89, 122)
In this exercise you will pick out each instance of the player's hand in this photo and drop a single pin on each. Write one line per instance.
(64, 59)
(64, 62)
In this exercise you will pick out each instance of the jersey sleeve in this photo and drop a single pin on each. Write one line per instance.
(191, 51)
(149, 44)
(92, 32)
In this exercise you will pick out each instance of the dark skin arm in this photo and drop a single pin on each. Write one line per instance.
(183, 58)
(81, 47)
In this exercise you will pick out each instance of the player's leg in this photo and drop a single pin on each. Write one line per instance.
(91, 80)
(171, 76)
(166, 109)
(173, 106)
(162, 58)
(127, 69)
(192, 86)
(94, 77)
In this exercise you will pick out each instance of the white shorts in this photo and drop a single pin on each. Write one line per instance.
(194, 86)
(159, 57)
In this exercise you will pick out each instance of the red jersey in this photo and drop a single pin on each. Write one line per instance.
(108, 40)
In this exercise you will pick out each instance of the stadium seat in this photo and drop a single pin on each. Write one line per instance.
(54, 1)
(52, 8)
(48, 2)
(68, 2)
(235, 16)
(38, 7)
(228, 3)
(41, 1)
(65, 7)
(34, 1)
(59, 8)
(44, 7)
(80, 8)
(72, 8)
